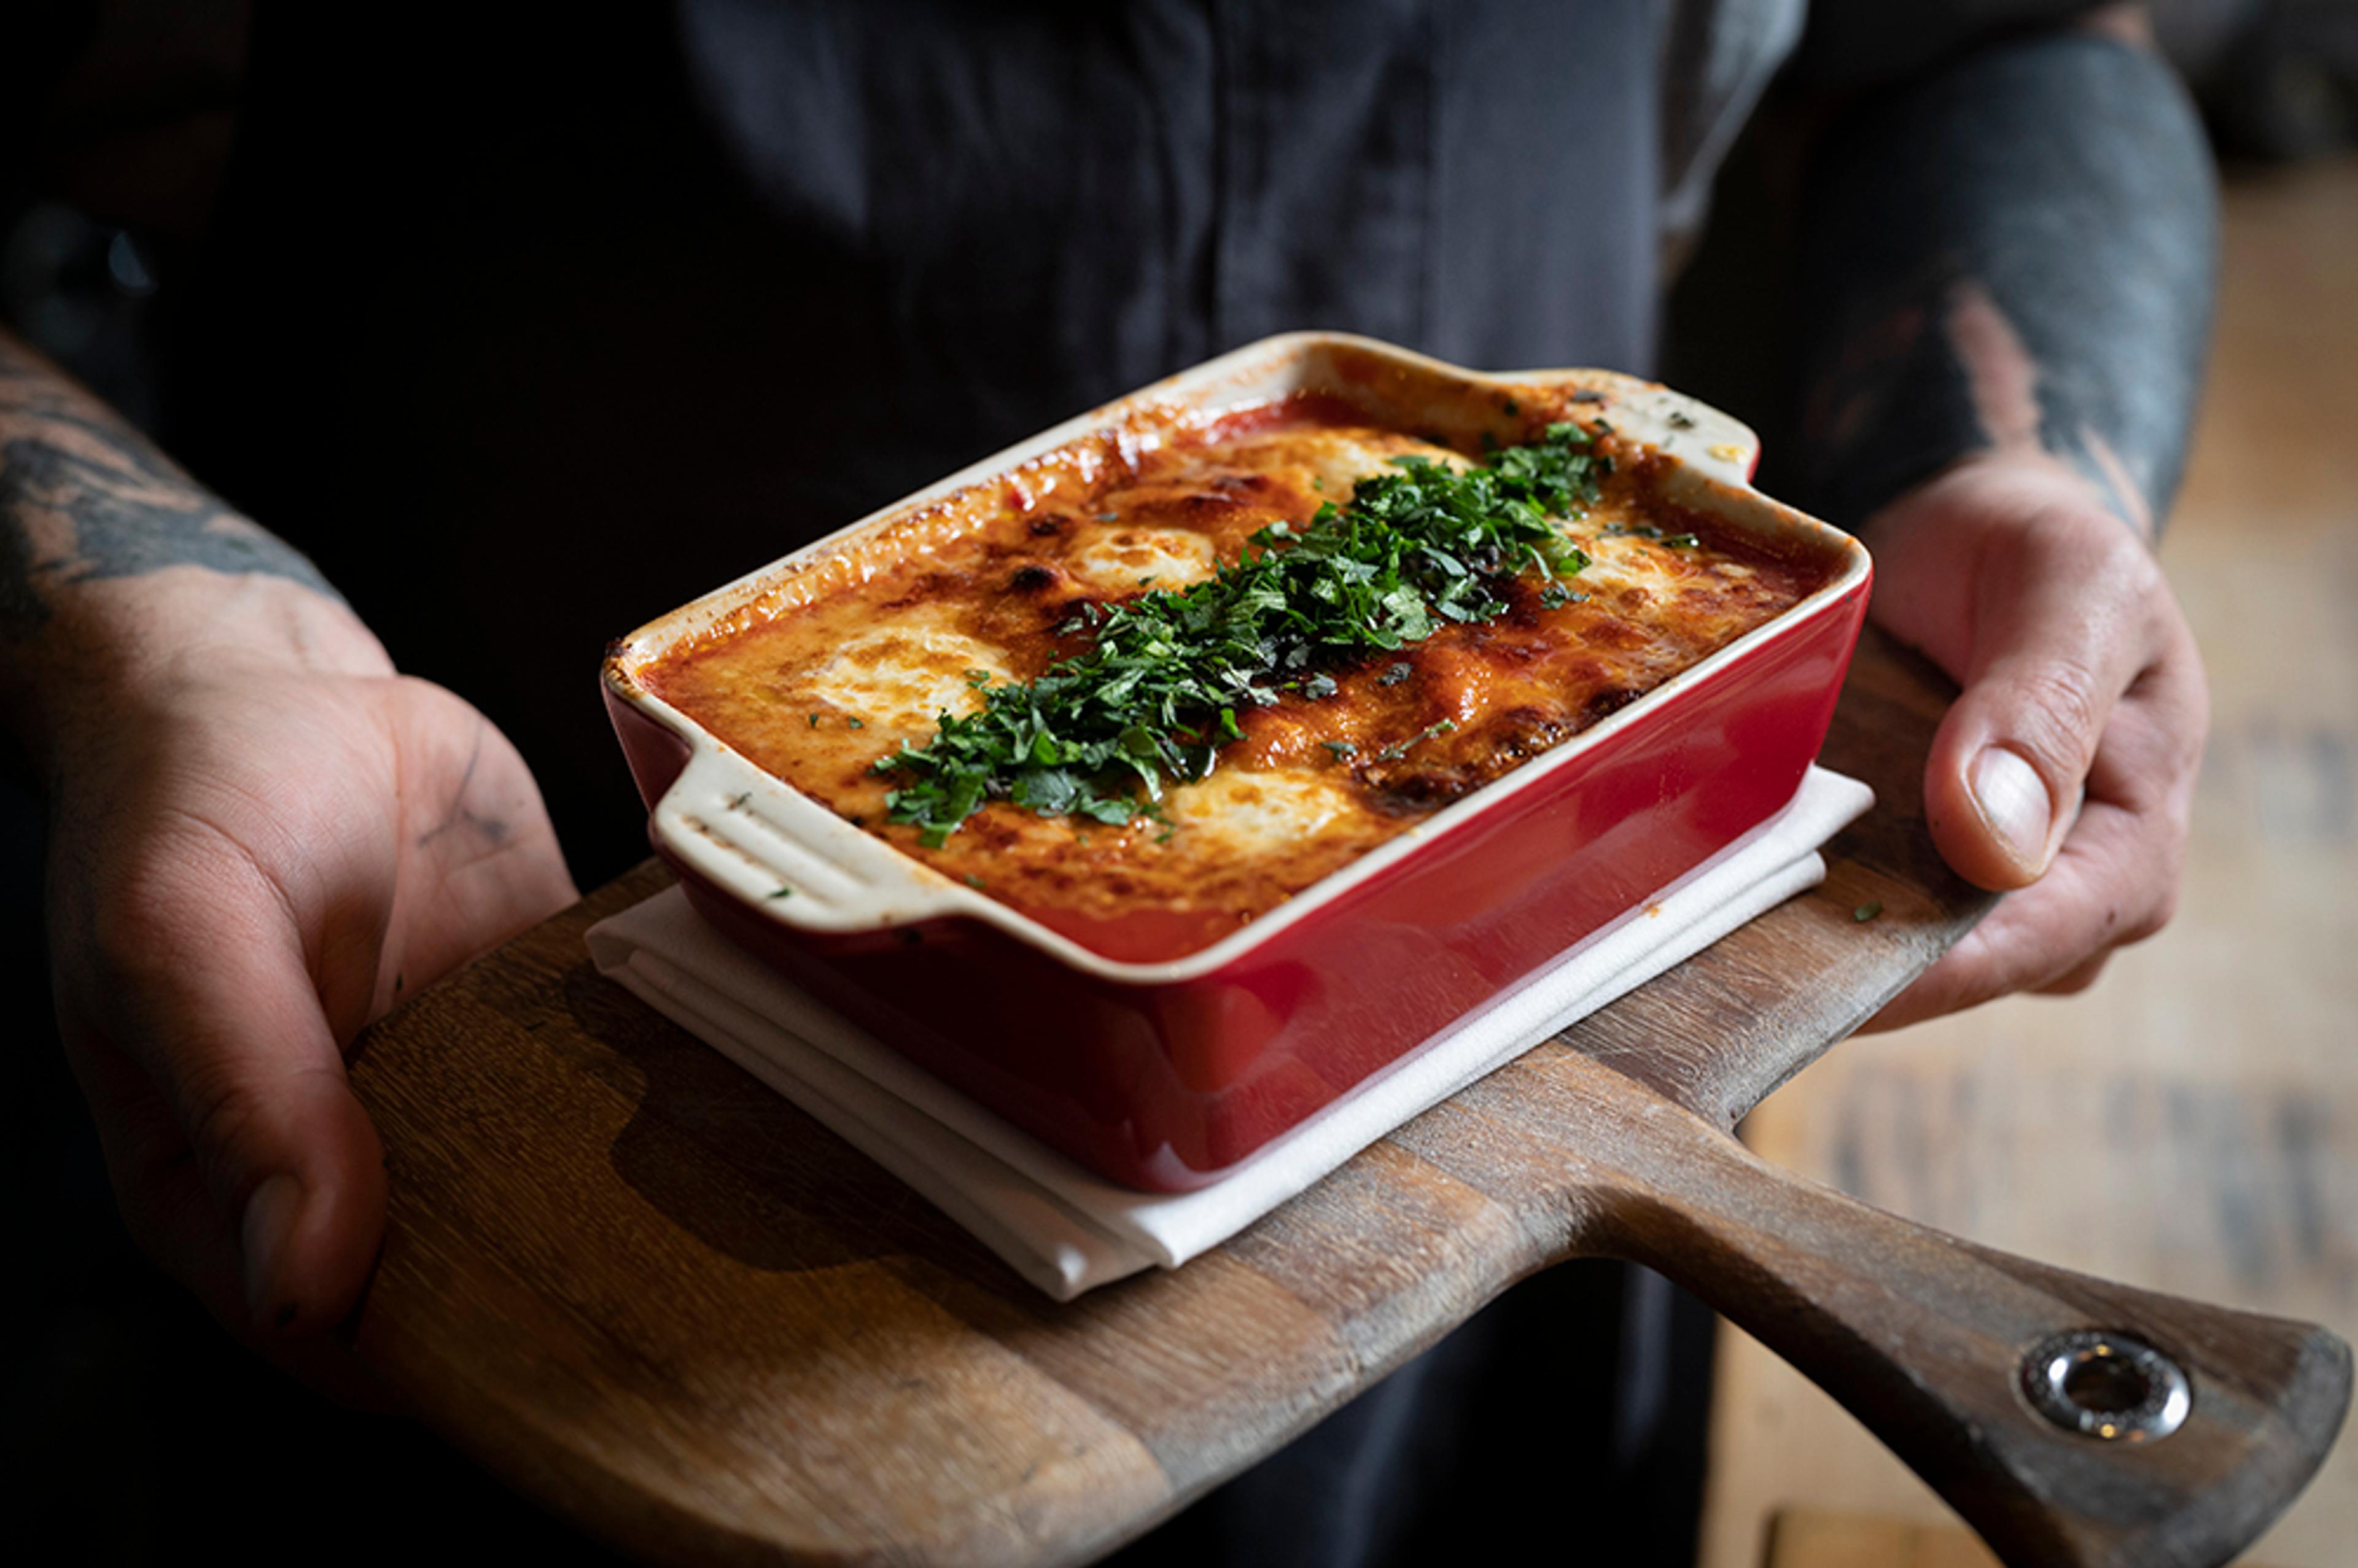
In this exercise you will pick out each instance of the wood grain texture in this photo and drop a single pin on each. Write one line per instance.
(653, 1294)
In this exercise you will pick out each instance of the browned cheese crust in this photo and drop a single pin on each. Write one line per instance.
(817, 694)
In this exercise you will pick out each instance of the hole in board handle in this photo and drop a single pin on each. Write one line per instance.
(2111, 1387)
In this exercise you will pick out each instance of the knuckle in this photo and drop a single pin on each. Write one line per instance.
(2113, 561)
(126, 942)
(219, 1112)
(2078, 980)
(2193, 742)
(2057, 715)
(2141, 570)
(2165, 881)
(2158, 913)
(2128, 562)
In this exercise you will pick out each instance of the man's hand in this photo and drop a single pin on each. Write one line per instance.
(2006, 260)
(251, 857)
(260, 838)
(2066, 768)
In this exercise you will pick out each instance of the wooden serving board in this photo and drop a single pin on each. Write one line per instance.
(647, 1291)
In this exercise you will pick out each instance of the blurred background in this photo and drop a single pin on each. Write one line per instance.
(2191, 1124)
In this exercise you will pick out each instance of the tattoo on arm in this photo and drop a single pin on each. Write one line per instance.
(83, 497)
(2015, 253)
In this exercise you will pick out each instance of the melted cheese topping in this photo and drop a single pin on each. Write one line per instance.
(1117, 559)
(903, 676)
(1242, 815)
(822, 691)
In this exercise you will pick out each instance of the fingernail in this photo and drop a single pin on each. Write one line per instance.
(269, 1222)
(2013, 801)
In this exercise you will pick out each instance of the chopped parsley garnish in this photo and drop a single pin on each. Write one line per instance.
(1647, 531)
(1867, 912)
(1398, 748)
(1341, 749)
(1100, 733)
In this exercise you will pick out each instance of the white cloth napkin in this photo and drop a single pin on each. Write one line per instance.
(1068, 1230)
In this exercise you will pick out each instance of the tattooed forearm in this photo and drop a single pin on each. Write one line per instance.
(2015, 254)
(83, 497)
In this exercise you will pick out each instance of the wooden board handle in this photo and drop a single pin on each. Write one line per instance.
(1945, 1350)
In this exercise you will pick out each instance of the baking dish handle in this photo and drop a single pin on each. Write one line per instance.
(1704, 439)
(781, 853)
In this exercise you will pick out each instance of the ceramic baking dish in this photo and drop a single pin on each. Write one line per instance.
(1165, 1075)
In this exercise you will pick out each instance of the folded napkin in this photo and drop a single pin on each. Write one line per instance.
(1068, 1230)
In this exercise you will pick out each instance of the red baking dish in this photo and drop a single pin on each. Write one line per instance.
(1165, 1075)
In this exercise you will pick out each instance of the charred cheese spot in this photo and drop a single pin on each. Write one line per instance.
(1113, 558)
(1250, 813)
(903, 676)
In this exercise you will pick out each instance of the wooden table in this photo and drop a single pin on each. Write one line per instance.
(650, 1293)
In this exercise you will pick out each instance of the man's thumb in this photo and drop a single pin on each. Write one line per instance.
(223, 1016)
(2007, 769)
